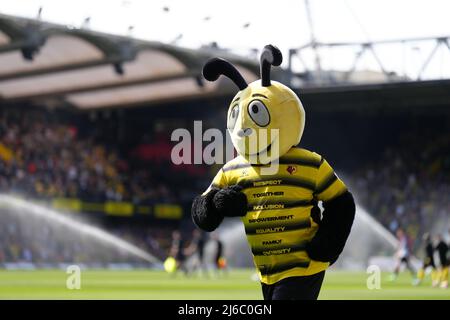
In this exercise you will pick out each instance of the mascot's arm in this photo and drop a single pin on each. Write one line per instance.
(337, 217)
(209, 209)
(334, 229)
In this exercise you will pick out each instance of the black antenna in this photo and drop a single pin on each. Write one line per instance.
(39, 14)
(217, 66)
(271, 56)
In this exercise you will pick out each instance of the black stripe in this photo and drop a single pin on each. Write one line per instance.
(268, 270)
(259, 251)
(297, 182)
(282, 205)
(302, 162)
(299, 225)
(328, 182)
(293, 161)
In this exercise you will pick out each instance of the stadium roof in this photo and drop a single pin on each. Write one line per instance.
(59, 65)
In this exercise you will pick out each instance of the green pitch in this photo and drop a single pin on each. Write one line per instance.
(106, 284)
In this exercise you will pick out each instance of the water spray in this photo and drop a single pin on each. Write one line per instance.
(18, 204)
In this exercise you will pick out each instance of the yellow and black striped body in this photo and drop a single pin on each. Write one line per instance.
(279, 219)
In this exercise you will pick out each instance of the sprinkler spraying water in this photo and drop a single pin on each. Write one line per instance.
(18, 206)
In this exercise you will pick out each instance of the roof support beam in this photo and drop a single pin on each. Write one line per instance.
(12, 46)
(63, 68)
(120, 84)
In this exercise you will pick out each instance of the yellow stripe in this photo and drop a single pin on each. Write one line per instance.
(302, 175)
(335, 189)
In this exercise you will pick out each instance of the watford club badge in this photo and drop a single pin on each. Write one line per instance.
(291, 169)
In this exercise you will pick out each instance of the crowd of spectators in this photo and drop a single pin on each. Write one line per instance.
(43, 156)
(408, 186)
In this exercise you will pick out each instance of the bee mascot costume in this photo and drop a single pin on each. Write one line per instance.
(292, 240)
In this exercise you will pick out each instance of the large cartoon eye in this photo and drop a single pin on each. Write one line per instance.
(233, 117)
(259, 113)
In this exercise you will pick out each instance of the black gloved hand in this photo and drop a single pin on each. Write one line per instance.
(231, 201)
(322, 248)
(204, 213)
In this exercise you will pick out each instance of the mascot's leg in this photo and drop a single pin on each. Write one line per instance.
(295, 288)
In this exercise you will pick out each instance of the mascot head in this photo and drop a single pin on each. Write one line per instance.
(265, 118)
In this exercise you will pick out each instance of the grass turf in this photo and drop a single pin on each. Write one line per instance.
(105, 284)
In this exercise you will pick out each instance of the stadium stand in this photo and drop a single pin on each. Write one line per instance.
(59, 157)
(410, 191)
(90, 133)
